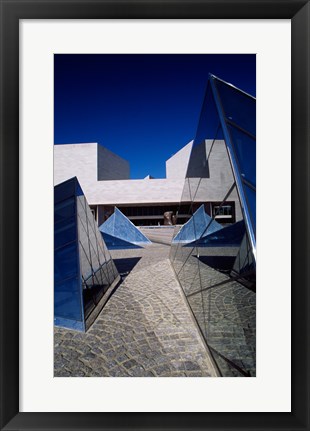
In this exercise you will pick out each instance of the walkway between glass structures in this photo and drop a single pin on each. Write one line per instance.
(215, 261)
(146, 328)
(194, 313)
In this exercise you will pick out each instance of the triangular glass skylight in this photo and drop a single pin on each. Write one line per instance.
(84, 272)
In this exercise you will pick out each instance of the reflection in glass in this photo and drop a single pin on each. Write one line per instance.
(65, 232)
(211, 254)
(238, 107)
(83, 268)
(66, 263)
(67, 299)
(245, 147)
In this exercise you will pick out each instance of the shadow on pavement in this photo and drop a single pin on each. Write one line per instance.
(125, 265)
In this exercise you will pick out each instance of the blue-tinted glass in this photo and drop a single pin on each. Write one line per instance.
(204, 250)
(251, 198)
(64, 190)
(245, 149)
(119, 229)
(65, 232)
(209, 123)
(199, 224)
(65, 262)
(64, 209)
(238, 107)
(230, 235)
(79, 253)
(67, 301)
(208, 130)
(78, 190)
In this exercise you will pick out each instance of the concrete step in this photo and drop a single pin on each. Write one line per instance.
(160, 234)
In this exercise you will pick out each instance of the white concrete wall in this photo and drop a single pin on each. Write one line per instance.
(134, 191)
(219, 182)
(75, 160)
(88, 162)
(176, 166)
(80, 160)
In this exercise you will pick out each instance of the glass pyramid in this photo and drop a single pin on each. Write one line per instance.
(194, 229)
(214, 255)
(228, 236)
(84, 273)
(119, 232)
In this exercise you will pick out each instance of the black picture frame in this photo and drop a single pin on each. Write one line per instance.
(11, 12)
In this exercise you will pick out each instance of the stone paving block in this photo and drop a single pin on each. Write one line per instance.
(137, 371)
(162, 370)
(145, 329)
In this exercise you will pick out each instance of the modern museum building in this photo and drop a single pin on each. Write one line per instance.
(209, 194)
(104, 178)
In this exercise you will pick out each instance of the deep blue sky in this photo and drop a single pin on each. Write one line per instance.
(142, 107)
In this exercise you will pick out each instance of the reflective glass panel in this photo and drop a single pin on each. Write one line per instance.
(65, 232)
(66, 262)
(238, 107)
(65, 191)
(210, 252)
(196, 305)
(85, 263)
(209, 122)
(245, 148)
(231, 324)
(67, 300)
(80, 281)
(64, 209)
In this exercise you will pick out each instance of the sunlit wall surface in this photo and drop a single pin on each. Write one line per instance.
(214, 253)
(84, 272)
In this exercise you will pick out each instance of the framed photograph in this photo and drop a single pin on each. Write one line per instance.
(52, 378)
(135, 218)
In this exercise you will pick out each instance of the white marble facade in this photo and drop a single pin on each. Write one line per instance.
(104, 176)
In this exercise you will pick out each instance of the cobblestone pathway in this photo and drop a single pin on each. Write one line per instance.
(144, 330)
